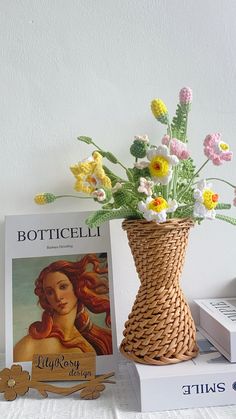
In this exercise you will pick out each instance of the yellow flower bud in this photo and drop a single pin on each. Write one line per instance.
(44, 198)
(159, 110)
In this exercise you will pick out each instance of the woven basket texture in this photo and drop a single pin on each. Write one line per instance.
(160, 329)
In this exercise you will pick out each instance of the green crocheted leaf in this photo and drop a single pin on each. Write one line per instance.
(111, 157)
(107, 206)
(86, 140)
(226, 218)
(127, 185)
(179, 123)
(129, 174)
(114, 178)
(99, 217)
(125, 198)
(222, 206)
(138, 173)
(186, 170)
(183, 212)
(121, 198)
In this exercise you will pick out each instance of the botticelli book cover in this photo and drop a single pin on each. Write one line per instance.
(58, 288)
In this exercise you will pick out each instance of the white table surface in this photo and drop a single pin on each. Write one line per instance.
(118, 401)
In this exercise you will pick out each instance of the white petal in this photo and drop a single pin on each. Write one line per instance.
(201, 184)
(199, 210)
(164, 180)
(197, 194)
(148, 215)
(210, 214)
(173, 160)
(161, 216)
(162, 150)
(148, 200)
(152, 152)
(141, 206)
(172, 205)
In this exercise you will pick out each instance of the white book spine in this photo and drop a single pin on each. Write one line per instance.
(171, 393)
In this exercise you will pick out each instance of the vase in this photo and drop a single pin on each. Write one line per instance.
(160, 329)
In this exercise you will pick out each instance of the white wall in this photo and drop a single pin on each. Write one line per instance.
(91, 67)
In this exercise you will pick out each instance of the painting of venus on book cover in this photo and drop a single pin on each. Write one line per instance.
(59, 294)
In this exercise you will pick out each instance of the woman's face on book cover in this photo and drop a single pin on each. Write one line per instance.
(59, 292)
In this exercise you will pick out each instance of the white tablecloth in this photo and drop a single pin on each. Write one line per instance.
(118, 401)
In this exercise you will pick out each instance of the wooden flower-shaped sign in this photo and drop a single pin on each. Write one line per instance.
(15, 382)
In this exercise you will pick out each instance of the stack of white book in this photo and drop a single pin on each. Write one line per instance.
(207, 380)
(217, 322)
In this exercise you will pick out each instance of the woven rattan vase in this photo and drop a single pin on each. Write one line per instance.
(160, 329)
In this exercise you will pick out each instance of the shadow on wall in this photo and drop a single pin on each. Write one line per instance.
(229, 290)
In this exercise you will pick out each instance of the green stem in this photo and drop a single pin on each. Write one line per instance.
(170, 185)
(73, 196)
(204, 164)
(165, 192)
(222, 180)
(169, 130)
(184, 207)
(175, 177)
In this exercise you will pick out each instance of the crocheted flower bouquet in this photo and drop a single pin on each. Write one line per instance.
(162, 183)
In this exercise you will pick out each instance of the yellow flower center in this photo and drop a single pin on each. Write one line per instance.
(91, 179)
(159, 166)
(224, 146)
(158, 204)
(11, 382)
(210, 199)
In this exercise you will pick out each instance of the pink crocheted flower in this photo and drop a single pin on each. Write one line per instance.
(216, 150)
(185, 96)
(178, 148)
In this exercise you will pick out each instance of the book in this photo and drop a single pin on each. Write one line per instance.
(207, 380)
(217, 321)
(58, 289)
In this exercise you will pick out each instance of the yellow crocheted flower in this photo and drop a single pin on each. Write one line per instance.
(159, 166)
(161, 163)
(210, 199)
(90, 174)
(205, 200)
(158, 204)
(156, 208)
(159, 110)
